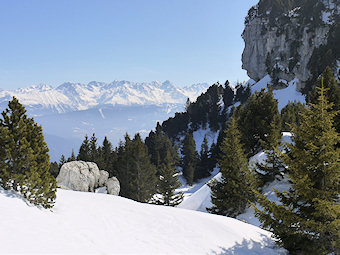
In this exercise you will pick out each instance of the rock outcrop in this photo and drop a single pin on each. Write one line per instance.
(86, 176)
(113, 186)
(282, 44)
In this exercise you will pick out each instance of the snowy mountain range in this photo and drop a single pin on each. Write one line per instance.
(44, 99)
(72, 110)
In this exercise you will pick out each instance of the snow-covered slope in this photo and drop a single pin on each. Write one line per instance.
(290, 93)
(87, 223)
(44, 99)
(200, 198)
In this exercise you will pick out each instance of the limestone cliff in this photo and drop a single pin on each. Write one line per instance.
(281, 38)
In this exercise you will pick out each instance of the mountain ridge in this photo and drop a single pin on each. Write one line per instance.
(44, 99)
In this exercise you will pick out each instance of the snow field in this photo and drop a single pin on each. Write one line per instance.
(87, 223)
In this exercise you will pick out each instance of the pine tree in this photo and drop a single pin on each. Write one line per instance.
(272, 167)
(106, 157)
(84, 150)
(93, 152)
(307, 220)
(54, 169)
(24, 159)
(168, 183)
(190, 158)
(228, 95)
(332, 93)
(255, 120)
(62, 161)
(73, 156)
(135, 172)
(290, 115)
(204, 164)
(231, 194)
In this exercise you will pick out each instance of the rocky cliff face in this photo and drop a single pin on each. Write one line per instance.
(281, 41)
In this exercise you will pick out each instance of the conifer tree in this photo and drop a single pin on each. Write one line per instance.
(62, 161)
(228, 95)
(107, 157)
(84, 150)
(307, 220)
(204, 164)
(332, 92)
(231, 194)
(190, 158)
(255, 120)
(272, 167)
(93, 152)
(136, 174)
(73, 156)
(168, 183)
(24, 159)
(290, 115)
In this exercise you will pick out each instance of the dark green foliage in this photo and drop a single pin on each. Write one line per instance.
(228, 95)
(272, 167)
(93, 152)
(54, 169)
(190, 158)
(159, 144)
(176, 125)
(332, 93)
(135, 172)
(255, 120)
(242, 93)
(204, 164)
(308, 219)
(231, 194)
(206, 110)
(24, 159)
(73, 157)
(107, 157)
(290, 115)
(84, 150)
(168, 182)
(62, 160)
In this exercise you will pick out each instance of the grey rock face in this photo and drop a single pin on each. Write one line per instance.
(276, 47)
(85, 176)
(113, 186)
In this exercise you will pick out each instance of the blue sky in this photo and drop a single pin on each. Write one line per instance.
(184, 41)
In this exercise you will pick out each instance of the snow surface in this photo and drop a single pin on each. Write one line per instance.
(85, 223)
(284, 96)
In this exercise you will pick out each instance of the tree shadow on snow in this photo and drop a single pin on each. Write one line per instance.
(14, 194)
(265, 247)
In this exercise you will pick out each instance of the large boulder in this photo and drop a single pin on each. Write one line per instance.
(104, 176)
(113, 186)
(79, 176)
(86, 176)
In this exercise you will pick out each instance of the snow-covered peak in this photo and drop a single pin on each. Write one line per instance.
(69, 96)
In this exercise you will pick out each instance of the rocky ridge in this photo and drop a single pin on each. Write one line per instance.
(280, 40)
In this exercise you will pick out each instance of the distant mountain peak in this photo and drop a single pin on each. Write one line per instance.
(70, 96)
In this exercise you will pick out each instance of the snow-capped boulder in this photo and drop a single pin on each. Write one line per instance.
(113, 186)
(79, 176)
